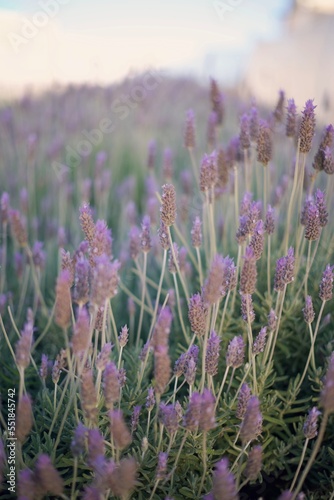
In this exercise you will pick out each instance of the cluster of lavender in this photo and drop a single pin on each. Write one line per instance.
(183, 366)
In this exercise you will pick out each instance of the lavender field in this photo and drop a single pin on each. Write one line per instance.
(166, 294)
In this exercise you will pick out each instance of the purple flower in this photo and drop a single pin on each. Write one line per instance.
(307, 127)
(208, 172)
(244, 132)
(264, 143)
(291, 119)
(161, 471)
(189, 135)
(243, 398)
(260, 341)
(326, 284)
(310, 427)
(251, 425)
(235, 352)
(104, 280)
(207, 417)
(248, 274)
(135, 418)
(284, 270)
(308, 310)
(224, 485)
(212, 354)
(327, 394)
(197, 314)
(169, 417)
(78, 441)
(192, 416)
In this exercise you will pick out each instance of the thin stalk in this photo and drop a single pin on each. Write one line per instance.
(244, 448)
(113, 325)
(313, 454)
(265, 186)
(193, 163)
(247, 170)
(240, 385)
(142, 300)
(301, 460)
(292, 200)
(154, 488)
(205, 341)
(184, 286)
(199, 267)
(204, 458)
(148, 422)
(3, 257)
(163, 268)
(187, 339)
(231, 380)
(307, 266)
(74, 480)
(221, 387)
(213, 243)
(314, 336)
(274, 337)
(220, 331)
(179, 453)
(237, 272)
(236, 196)
(269, 267)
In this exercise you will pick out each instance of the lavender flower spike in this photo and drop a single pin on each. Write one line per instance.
(168, 205)
(326, 284)
(235, 352)
(310, 427)
(251, 426)
(284, 270)
(212, 354)
(223, 482)
(307, 127)
(327, 394)
(197, 314)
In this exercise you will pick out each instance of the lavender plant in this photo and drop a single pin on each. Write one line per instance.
(191, 358)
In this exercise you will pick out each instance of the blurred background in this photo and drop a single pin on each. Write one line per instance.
(254, 46)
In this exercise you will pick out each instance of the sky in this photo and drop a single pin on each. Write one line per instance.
(101, 41)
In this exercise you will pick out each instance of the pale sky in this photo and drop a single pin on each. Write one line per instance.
(102, 41)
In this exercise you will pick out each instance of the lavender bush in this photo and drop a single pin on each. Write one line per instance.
(168, 326)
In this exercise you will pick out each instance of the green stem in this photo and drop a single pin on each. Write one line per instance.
(142, 300)
(269, 268)
(236, 196)
(301, 460)
(292, 200)
(199, 267)
(3, 257)
(313, 454)
(222, 386)
(204, 457)
(184, 286)
(187, 339)
(220, 331)
(273, 338)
